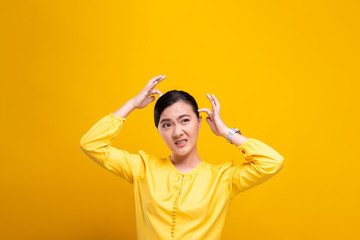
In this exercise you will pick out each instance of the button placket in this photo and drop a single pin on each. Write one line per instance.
(180, 179)
(174, 218)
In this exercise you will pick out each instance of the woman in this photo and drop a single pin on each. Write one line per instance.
(180, 196)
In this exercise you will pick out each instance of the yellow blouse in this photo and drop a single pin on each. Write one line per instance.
(174, 205)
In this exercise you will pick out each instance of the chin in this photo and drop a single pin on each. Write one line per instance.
(181, 152)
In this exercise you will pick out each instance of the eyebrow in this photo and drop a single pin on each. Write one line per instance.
(168, 119)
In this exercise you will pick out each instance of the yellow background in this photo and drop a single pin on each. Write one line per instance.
(285, 73)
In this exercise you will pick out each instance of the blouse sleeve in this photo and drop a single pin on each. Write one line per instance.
(262, 163)
(96, 144)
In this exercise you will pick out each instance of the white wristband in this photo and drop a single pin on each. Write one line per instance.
(231, 133)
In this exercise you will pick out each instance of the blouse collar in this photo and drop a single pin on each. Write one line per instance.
(191, 172)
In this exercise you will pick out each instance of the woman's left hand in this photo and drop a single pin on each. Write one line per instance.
(214, 120)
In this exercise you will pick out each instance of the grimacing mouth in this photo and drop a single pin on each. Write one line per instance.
(176, 142)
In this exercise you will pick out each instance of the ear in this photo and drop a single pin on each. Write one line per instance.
(200, 121)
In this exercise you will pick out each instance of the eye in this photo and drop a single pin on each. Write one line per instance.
(186, 119)
(164, 126)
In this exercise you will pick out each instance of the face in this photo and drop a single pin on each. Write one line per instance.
(179, 122)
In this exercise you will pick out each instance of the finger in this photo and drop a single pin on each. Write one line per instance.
(156, 81)
(210, 98)
(150, 99)
(155, 78)
(209, 121)
(156, 91)
(216, 102)
(162, 78)
(214, 108)
(208, 111)
(159, 79)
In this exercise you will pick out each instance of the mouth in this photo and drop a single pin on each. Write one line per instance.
(181, 142)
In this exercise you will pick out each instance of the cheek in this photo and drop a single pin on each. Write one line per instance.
(166, 137)
(194, 129)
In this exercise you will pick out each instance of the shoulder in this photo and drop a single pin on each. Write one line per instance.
(220, 167)
(151, 158)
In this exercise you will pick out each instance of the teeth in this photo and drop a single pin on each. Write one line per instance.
(181, 142)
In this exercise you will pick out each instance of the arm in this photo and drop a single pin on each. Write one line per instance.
(97, 145)
(126, 109)
(217, 125)
(236, 139)
(97, 142)
(262, 162)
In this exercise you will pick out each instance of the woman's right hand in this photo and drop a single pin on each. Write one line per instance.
(142, 99)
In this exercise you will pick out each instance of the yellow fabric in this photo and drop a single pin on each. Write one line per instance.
(171, 204)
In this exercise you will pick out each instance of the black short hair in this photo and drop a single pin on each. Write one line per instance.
(170, 98)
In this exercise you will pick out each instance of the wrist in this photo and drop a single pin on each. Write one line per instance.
(131, 103)
(225, 132)
(125, 109)
(230, 136)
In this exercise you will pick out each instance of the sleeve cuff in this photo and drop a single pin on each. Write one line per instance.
(244, 144)
(116, 116)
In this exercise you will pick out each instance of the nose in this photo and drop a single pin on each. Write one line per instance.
(177, 132)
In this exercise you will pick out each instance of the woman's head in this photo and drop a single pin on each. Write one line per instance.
(177, 118)
(170, 98)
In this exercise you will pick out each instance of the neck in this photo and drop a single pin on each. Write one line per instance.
(188, 160)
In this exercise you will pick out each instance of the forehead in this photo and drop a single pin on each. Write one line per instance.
(177, 109)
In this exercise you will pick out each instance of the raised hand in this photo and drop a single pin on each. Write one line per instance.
(142, 99)
(214, 120)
